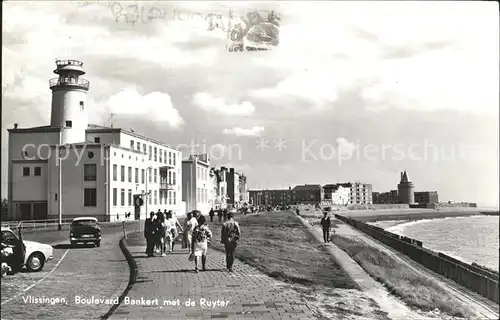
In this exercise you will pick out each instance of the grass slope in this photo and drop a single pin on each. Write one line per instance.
(278, 244)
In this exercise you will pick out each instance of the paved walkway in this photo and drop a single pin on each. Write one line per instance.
(246, 293)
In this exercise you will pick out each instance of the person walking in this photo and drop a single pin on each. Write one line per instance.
(211, 214)
(157, 233)
(148, 234)
(200, 218)
(219, 215)
(163, 230)
(189, 225)
(230, 235)
(199, 247)
(175, 226)
(325, 225)
(225, 214)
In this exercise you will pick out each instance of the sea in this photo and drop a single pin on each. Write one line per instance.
(468, 239)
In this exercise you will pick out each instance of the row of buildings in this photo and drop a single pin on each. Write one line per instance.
(344, 194)
(338, 194)
(79, 169)
(405, 194)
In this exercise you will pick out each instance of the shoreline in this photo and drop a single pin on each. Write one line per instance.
(406, 215)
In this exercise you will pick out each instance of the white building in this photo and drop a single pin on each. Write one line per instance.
(197, 183)
(103, 169)
(341, 196)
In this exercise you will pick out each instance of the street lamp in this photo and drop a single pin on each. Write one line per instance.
(146, 195)
(59, 191)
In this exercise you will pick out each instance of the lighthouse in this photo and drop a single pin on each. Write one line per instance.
(405, 190)
(69, 101)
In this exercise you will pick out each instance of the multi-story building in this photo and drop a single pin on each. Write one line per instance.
(360, 193)
(221, 199)
(426, 197)
(273, 198)
(233, 188)
(243, 190)
(197, 183)
(385, 197)
(70, 168)
(308, 193)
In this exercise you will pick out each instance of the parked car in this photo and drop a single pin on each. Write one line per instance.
(85, 230)
(30, 254)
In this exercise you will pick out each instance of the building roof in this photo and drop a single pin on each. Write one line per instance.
(92, 128)
(307, 187)
(34, 129)
(404, 177)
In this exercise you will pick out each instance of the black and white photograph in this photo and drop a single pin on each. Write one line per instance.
(250, 160)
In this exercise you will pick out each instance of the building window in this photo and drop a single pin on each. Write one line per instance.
(97, 140)
(89, 172)
(82, 105)
(123, 173)
(156, 154)
(122, 200)
(115, 197)
(165, 156)
(156, 173)
(150, 197)
(143, 175)
(169, 197)
(173, 178)
(132, 144)
(136, 175)
(161, 197)
(173, 198)
(89, 197)
(150, 152)
(138, 146)
(115, 172)
(156, 197)
(160, 156)
(150, 174)
(129, 197)
(173, 156)
(129, 174)
(38, 171)
(26, 171)
(169, 181)
(169, 157)
(69, 124)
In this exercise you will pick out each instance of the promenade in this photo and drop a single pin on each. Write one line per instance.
(214, 294)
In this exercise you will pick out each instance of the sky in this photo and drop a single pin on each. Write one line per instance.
(353, 91)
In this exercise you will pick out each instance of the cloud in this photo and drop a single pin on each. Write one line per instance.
(156, 106)
(344, 147)
(237, 131)
(211, 104)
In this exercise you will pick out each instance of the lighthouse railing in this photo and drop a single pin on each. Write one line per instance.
(69, 81)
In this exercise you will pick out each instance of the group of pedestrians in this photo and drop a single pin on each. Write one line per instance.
(161, 230)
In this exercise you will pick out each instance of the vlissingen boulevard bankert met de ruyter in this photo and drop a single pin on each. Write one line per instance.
(237, 160)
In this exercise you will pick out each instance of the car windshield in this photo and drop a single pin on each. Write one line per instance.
(84, 223)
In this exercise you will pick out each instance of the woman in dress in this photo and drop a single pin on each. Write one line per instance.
(175, 226)
(201, 236)
(189, 226)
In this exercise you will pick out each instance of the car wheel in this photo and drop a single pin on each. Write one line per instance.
(73, 243)
(35, 262)
(98, 243)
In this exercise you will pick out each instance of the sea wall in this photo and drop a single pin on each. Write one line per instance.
(473, 277)
(377, 206)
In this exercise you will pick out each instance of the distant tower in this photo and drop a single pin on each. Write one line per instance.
(405, 190)
(69, 101)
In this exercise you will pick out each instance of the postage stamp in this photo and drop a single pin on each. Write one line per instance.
(258, 30)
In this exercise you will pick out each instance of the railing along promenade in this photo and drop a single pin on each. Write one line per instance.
(471, 276)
